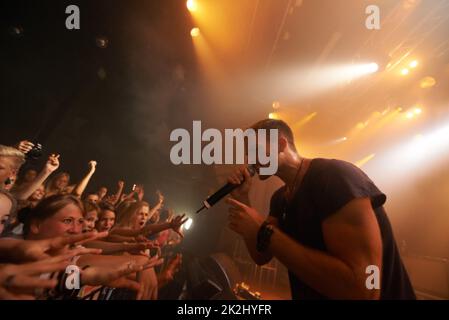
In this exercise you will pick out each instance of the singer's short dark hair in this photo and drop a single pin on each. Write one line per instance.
(281, 126)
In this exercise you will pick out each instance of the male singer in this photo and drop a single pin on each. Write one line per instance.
(327, 225)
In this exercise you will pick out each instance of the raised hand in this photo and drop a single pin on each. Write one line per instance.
(177, 222)
(160, 196)
(25, 146)
(112, 198)
(140, 192)
(92, 165)
(241, 177)
(243, 219)
(52, 163)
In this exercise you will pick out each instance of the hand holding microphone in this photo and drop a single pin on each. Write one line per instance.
(238, 186)
(242, 178)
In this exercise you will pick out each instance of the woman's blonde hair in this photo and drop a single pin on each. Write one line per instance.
(11, 152)
(125, 219)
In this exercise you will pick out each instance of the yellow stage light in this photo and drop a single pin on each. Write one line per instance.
(427, 82)
(191, 5)
(405, 71)
(304, 120)
(276, 105)
(413, 64)
(195, 32)
(360, 126)
(365, 160)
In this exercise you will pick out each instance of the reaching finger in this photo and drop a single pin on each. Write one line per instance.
(127, 284)
(235, 203)
(127, 269)
(153, 263)
(27, 282)
(60, 242)
(179, 233)
(55, 259)
(42, 267)
(83, 251)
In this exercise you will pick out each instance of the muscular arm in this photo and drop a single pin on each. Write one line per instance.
(353, 240)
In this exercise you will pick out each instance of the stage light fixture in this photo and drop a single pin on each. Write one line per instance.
(192, 6)
(427, 82)
(188, 224)
(195, 32)
(276, 105)
(413, 64)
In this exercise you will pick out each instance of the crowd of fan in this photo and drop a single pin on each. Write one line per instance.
(51, 231)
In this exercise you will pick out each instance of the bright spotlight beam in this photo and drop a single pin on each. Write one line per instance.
(406, 160)
(191, 5)
(195, 32)
(294, 83)
(188, 224)
(370, 68)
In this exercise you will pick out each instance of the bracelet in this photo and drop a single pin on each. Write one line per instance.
(264, 236)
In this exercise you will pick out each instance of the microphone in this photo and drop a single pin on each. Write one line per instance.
(223, 192)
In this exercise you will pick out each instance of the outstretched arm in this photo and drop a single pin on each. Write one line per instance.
(51, 165)
(81, 186)
(175, 224)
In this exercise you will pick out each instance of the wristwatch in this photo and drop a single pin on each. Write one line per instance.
(264, 236)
